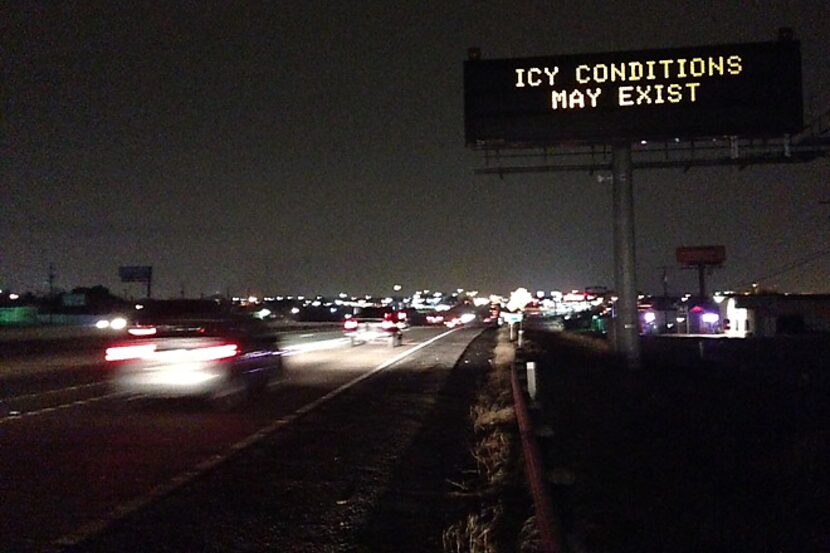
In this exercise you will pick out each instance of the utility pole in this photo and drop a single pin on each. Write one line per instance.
(51, 279)
(625, 269)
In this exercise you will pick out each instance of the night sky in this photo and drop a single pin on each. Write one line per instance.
(318, 147)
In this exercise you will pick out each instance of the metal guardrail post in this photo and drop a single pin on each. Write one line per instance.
(546, 522)
(530, 369)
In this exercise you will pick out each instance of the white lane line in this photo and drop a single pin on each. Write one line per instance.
(16, 416)
(313, 346)
(123, 510)
(55, 391)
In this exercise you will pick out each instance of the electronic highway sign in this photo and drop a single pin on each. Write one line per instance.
(747, 90)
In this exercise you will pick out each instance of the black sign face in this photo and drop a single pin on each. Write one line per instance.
(749, 90)
(132, 273)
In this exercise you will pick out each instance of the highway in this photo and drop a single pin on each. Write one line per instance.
(75, 459)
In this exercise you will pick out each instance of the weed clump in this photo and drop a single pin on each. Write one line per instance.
(498, 479)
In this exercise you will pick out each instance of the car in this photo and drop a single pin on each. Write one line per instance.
(194, 349)
(372, 325)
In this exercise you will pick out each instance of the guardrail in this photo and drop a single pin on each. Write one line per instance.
(547, 523)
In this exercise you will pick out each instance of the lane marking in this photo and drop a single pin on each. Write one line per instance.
(55, 391)
(20, 415)
(96, 526)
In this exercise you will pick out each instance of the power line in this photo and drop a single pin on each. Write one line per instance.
(789, 266)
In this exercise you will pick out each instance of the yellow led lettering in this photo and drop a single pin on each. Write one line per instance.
(576, 98)
(643, 94)
(533, 76)
(681, 72)
(635, 71)
(692, 91)
(520, 78)
(552, 75)
(716, 66)
(658, 94)
(670, 81)
(675, 93)
(650, 70)
(624, 96)
(666, 70)
(697, 67)
(600, 73)
(580, 74)
(734, 65)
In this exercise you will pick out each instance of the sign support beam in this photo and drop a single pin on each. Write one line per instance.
(627, 324)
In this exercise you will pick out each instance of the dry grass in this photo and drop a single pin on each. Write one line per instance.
(529, 538)
(488, 416)
(474, 534)
(495, 453)
(492, 456)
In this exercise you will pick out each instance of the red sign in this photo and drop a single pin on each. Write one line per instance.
(701, 255)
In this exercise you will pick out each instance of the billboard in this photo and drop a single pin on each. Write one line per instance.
(132, 273)
(701, 255)
(750, 90)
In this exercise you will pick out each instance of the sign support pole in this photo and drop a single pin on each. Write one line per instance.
(625, 270)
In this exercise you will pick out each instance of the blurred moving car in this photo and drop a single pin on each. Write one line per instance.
(371, 325)
(195, 348)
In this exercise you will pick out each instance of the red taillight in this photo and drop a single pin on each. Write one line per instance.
(351, 324)
(151, 352)
(124, 353)
(142, 331)
(211, 353)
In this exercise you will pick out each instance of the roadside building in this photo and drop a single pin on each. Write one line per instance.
(777, 314)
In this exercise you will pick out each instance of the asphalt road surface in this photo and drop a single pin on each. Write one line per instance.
(83, 470)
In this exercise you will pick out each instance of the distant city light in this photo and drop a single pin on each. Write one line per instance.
(295, 310)
(14, 296)
(710, 318)
(397, 288)
(519, 298)
(649, 317)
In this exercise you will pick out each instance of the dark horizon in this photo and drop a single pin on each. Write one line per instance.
(314, 149)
